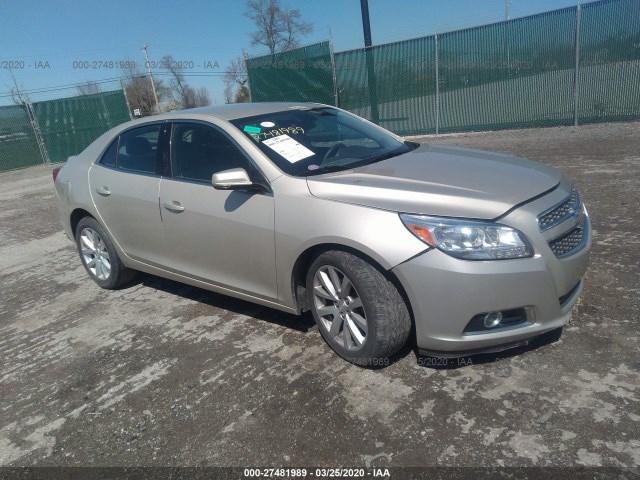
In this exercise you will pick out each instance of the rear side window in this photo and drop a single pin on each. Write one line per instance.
(109, 157)
(137, 149)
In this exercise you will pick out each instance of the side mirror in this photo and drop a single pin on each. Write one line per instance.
(233, 179)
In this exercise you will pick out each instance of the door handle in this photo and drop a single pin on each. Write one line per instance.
(174, 207)
(104, 191)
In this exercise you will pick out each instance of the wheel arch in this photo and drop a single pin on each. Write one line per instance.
(77, 215)
(304, 260)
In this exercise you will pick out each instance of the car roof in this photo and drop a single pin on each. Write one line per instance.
(233, 111)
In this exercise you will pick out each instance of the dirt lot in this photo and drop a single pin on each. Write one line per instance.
(164, 374)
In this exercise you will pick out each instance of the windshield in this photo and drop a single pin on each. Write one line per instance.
(304, 142)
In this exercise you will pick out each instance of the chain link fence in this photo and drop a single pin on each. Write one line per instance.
(18, 145)
(569, 66)
(609, 68)
(302, 74)
(53, 130)
(404, 97)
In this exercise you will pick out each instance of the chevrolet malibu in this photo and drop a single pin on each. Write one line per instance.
(300, 206)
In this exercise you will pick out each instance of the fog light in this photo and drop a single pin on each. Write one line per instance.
(487, 322)
(493, 319)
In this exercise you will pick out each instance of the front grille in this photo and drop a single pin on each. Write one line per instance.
(567, 243)
(570, 210)
(559, 213)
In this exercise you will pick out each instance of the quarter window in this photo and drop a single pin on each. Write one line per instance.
(109, 157)
(199, 151)
(137, 150)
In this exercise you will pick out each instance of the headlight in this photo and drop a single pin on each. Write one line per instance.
(467, 239)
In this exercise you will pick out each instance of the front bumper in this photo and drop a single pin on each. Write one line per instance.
(445, 293)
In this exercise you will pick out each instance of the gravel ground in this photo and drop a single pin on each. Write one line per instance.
(169, 375)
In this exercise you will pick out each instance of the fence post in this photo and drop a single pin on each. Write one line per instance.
(126, 99)
(333, 72)
(577, 66)
(36, 131)
(245, 57)
(437, 87)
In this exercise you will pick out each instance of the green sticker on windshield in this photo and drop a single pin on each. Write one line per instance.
(250, 129)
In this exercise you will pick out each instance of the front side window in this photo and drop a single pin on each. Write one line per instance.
(137, 149)
(312, 141)
(198, 151)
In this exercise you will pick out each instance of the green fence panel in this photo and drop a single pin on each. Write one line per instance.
(518, 73)
(404, 77)
(18, 146)
(302, 74)
(609, 72)
(69, 125)
(513, 74)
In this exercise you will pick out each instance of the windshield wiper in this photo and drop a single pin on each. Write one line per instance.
(384, 156)
(330, 169)
(362, 162)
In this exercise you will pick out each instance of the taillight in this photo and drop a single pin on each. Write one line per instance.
(55, 172)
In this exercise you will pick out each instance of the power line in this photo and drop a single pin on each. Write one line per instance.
(71, 86)
(60, 87)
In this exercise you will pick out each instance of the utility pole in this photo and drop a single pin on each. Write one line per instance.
(507, 4)
(371, 74)
(153, 84)
(126, 98)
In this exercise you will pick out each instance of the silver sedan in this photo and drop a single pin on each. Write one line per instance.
(300, 206)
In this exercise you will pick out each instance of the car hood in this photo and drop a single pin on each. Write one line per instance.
(441, 181)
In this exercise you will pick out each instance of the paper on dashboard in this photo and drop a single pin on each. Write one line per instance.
(288, 148)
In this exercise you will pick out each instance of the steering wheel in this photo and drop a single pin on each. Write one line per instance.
(333, 151)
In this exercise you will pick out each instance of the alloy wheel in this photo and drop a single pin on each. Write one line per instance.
(95, 254)
(339, 307)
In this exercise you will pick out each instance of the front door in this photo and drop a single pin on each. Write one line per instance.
(220, 236)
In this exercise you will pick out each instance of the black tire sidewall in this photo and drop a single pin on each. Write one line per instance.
(366, 355)
(117, 269)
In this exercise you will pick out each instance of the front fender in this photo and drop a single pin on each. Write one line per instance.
(303, 221)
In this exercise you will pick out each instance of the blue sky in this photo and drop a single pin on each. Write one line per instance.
(48, 41)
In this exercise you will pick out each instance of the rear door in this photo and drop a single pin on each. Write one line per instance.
(223, 237)
(124, 186)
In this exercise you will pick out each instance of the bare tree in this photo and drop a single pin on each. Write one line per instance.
(88, 88)
(235, 77)
(242, 95)
(18, 94)
(236, 72)
(228, 94)
(278, 28)
(184, 95)
(181, 92)
(202, 97)
(138, 87)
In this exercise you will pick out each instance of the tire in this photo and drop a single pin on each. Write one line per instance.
(99, 257)
(369, 317)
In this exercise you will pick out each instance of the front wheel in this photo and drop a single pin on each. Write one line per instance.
(99, 257)
(359, 312)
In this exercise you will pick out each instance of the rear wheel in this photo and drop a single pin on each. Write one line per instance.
(359, 313)
(99, 257)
